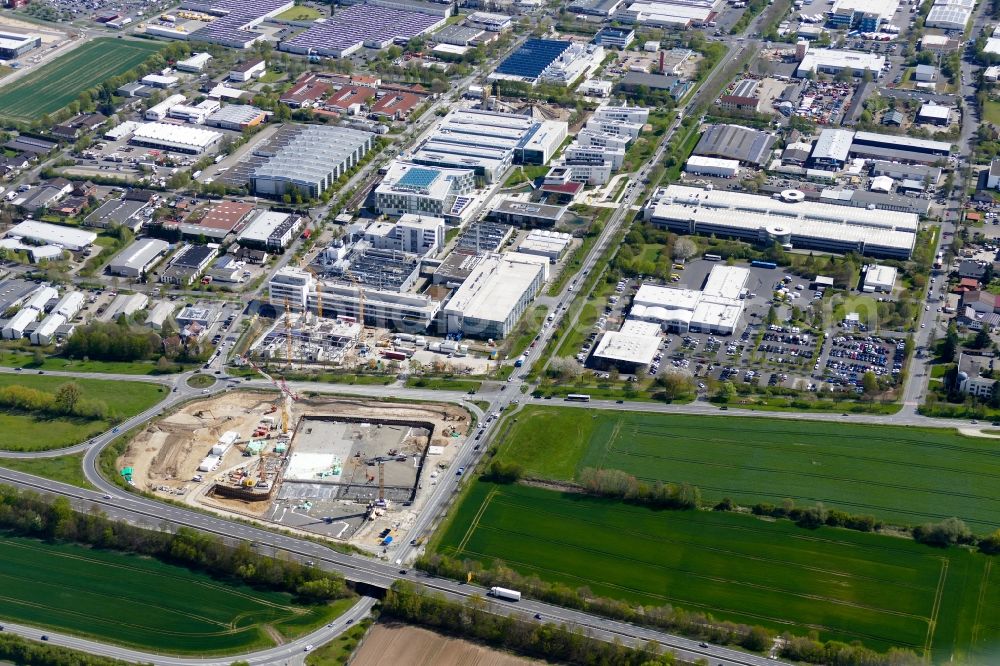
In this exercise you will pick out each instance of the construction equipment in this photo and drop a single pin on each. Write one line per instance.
(281, 385)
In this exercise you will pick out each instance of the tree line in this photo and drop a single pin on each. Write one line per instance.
(29, 653)
(548, 641)
(617, 484)
(29, 514)
(68, 400)
(693, 624)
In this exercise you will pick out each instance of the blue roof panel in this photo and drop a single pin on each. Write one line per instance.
(532, 58)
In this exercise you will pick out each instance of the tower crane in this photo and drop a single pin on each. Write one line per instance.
(361, 303)
(288, 334)
(289, 395)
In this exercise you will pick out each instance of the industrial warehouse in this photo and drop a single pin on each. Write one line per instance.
(789, 221)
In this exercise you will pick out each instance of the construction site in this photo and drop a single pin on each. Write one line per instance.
(308, 341)
(306, 338)
(344, 468)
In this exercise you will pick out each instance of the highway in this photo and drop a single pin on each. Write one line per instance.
(153, 514)
(501, 397)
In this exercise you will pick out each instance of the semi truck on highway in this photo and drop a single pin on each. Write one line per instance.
(504, 593)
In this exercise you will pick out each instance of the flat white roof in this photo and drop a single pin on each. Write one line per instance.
(183, 135)
(53, 234)
(878, 275)
(618, 346)
(726, 282)
(669, 298)
(262, 226)
(451, 49)
(935, 111)
(835, 58)
(494, 287)
(719, 162)
(644, 328)
(717, 314)
(668, 11)
(882, 228)
(884, 8)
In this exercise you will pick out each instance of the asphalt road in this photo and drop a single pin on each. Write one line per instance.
(151, 513)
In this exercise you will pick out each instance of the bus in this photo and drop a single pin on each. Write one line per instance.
(578, 397)
(763, 264)
(711, 257)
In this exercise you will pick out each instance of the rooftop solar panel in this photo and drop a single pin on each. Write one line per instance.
(360, 24)
(419, 178)
(532, 58)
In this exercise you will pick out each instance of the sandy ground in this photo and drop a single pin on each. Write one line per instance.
(165, 456)
(392, 644)
(48, 35)
(976, 432)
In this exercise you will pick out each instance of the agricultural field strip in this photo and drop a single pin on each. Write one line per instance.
(883, 462)
(87, 578)
(520, 508)
(215, 588)
(57, 83)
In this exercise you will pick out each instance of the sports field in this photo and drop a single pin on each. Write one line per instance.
(28, 432)
(56, 84)
(846, 585)
(142, 602)
(902, 475)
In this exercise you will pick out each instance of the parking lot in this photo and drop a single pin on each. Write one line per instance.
(781, 354)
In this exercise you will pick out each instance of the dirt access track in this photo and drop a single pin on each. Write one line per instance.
(165, 456)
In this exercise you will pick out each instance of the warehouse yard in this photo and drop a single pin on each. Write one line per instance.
(899, 475)
(56, 84)
(846, 585)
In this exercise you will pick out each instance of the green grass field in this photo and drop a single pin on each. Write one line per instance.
(10, 358)
(26, 432)
(66, 469)
(901, 475)
(142, 602)
(300, 13)
(846, 585)
(56, 84)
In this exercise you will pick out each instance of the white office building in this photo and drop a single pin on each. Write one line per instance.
(790, 221)
(717, 308)
(175, 138)
(383, 308)
(159, 111)
(489, 142)
(414, 234)
(495, 295)
(419, 190)
(879, 278)
(833, 61)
